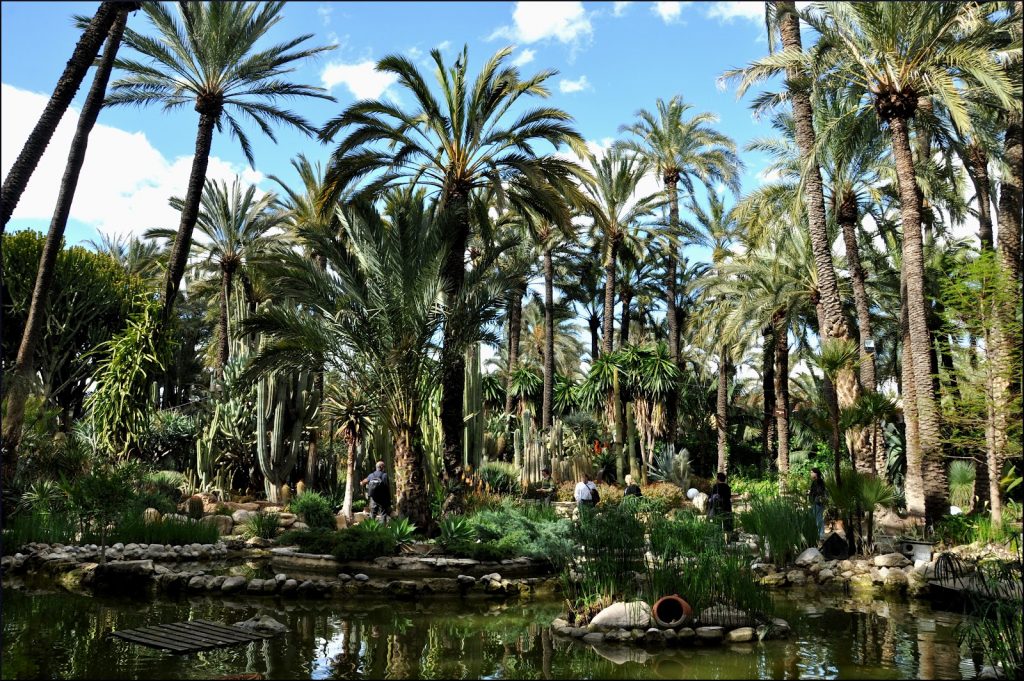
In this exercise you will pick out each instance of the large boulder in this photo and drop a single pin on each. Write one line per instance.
(223, 523)
(719, 615)
(123, 575)
(891, 560)
(700, 502)
(811, 556)
(241, 516)
(151, 515)
(636, 614)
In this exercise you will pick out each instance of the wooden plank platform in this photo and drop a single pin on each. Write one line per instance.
(189, 637)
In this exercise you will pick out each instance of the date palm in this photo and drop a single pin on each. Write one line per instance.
(351, 416)
(891, 56)
(208, 58)
(453, 144)
(235, 227)
(680, 148)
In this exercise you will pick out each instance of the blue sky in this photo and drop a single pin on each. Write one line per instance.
(612, 58)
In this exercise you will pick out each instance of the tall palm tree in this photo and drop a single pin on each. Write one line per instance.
(138, 257)
(680, 150)
(617, 212)
(376, 314)
(890, 57)
(585, 289)
(235, 227)
(348, 409)
(453, 145)
(88, 46)
(24, 367)
(209, 59)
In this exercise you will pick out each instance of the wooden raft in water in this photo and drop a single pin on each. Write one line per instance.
(189, 637)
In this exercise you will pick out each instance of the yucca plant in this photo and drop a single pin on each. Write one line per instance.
(961, 484)
(263, 525)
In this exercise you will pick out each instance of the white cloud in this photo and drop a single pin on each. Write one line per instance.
(444, 45)
(668, 11)
(570, 86)
(728, 11)
(325, 13)
(414, 52)
(619, 8)
(362, 79)
(524, 58)
(113, 196)
(567, 22)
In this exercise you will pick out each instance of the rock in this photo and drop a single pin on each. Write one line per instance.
(796, 577)
(150, 515)
(862, 582)
(299, 525)
(255, 586)
(834, 547)
(305, 588)
(773, 579)
(825, 575)
(215, 583)
(232, 584)
(878, 576)
(262, 624)
(361, 577)
(618, 636)
(440, 585)
(343, 578)
(762, 569)
(240, 517)
(257, 543)
(289, 586)
(654, 636)
(741, 635)
(623, 616)
(990, 672)
(700, 502)
(224, 523)
(593, 637)
(197, 583)
(270, 585)
(891, 560)
(123, 575)
(810, 557)
(402, 589)
(710, 634)
(896, 581)
(724, 616)
(492, 577)
(846, 565)
(684, 634)
(340, 522)
(286, 519)
(465, 580)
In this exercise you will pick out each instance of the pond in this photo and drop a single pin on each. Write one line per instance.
(55, 634)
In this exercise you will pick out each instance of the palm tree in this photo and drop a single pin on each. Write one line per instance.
(373, 314)
(24, 367)
(680, 150)
(585, 290)
(93, 35)
(349, 411)
(209, 60)
(235, 228)
(891, 56)
(138, 257)
(453, 146)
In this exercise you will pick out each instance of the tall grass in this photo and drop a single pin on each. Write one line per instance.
(263, 525)
(786, 527)
(37, 526)
(132, 529)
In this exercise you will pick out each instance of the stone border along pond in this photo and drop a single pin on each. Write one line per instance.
(140, 568)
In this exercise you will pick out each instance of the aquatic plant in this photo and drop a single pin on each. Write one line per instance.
(786, 527)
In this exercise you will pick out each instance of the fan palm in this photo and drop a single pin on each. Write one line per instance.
(890, 56)
(453, 146)
(208, 58)
(680, 150)
(235, 226)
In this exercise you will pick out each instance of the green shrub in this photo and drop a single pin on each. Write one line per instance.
(455, 530)
(314, 540)
(786, 528)
(262, 524)
(314, 509)
(685, 534)
(483, 550)
(402, 531)
(358, 505)
(366, 541)
(132, 529)
(503, 478)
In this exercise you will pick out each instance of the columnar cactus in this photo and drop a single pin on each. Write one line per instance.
(285, 404)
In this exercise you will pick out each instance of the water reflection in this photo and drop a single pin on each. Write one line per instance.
(59, 635)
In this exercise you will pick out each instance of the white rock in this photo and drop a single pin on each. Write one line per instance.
(262, 624)
(891, 560)
(240, 517)
(741, 635)
(636, 614)
(810, 557)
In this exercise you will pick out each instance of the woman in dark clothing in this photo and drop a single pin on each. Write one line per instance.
(632, 489)
(720, 502)
(818, 495)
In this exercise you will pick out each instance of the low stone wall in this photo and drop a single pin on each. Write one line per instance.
(890, 573)
(408, 567)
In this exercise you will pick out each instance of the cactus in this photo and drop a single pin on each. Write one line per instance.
(473, 408)
(286, 494)
(195, 507)
(300, 488)
(204, 448)
(285, 403)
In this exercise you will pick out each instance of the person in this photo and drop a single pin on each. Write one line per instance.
(632, 489)
(720, 502)
(817, 495)
(585, 493)
(379, 492)
(546, 486)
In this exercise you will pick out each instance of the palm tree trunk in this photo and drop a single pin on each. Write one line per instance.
(610, 263)
(671, 305)
(782, 390)
(410, 482)
(976, 164)
(721, 411)
(768, 418)
(515, 331)
(1010, 202)
(848, 218)
(453, 357)
(74, 73)
(929, 430)
(350, 481)
(595, 340)
(627, 300)
(313, 448)
(223, 338)
(208, 117)
(831, 399)
(914, 482)
(549, 342)
(24, 366)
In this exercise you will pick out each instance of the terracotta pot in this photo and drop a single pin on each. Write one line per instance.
(671, 611)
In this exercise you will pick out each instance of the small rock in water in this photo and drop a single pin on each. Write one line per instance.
(361, 577)
(262, 624)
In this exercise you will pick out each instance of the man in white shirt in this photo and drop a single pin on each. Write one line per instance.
(585, 493)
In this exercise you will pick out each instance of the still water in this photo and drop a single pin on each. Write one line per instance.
(54, 634)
